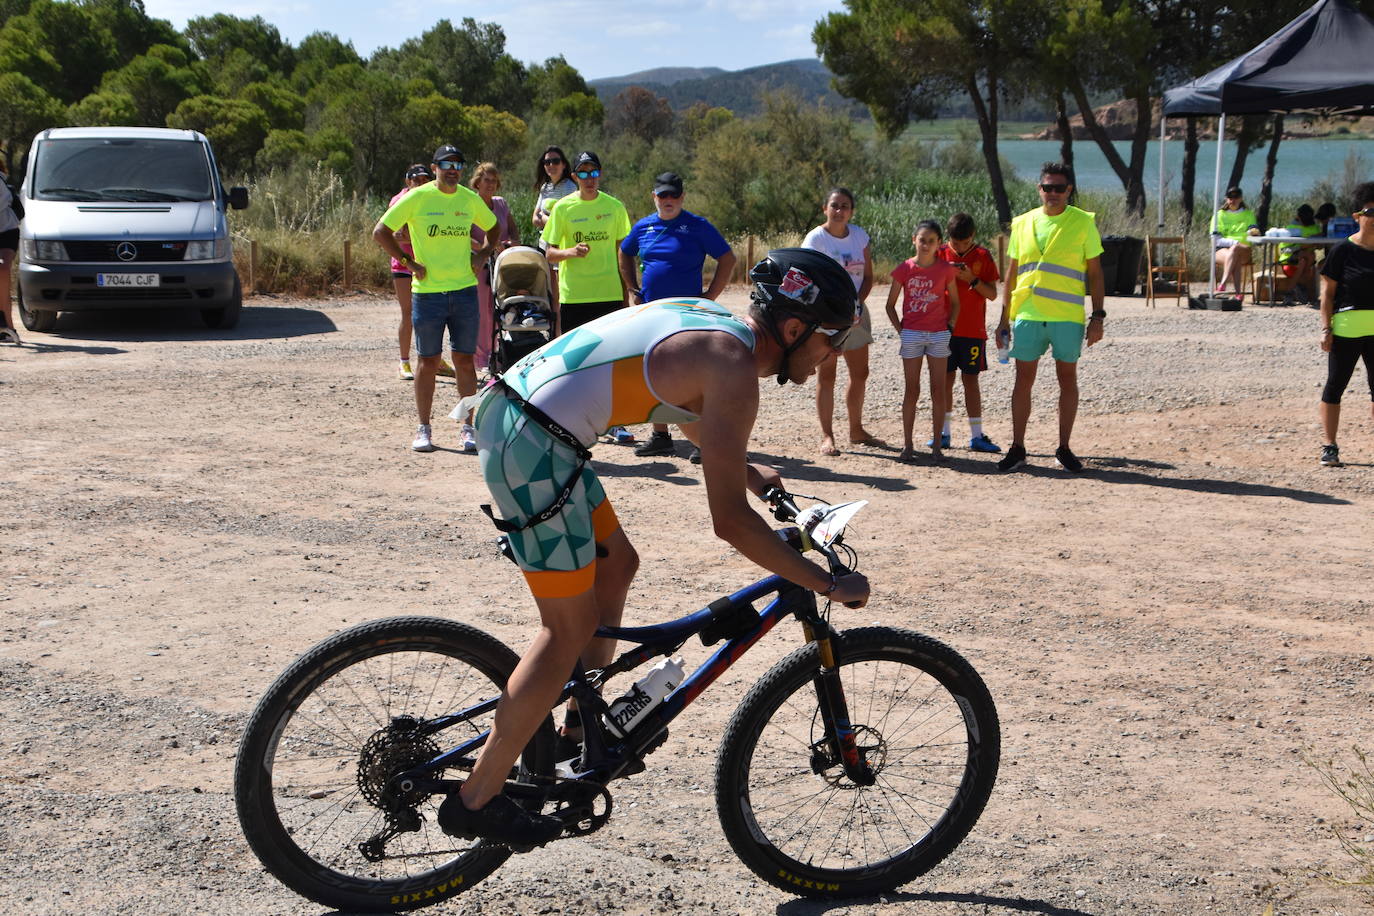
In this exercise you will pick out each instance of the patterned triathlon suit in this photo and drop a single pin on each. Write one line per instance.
(590, 379)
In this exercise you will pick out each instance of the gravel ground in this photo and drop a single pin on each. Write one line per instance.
(1167, 636)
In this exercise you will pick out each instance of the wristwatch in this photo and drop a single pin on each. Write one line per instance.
(1098, 314)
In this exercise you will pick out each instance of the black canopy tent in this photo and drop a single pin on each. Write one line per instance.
(1321, 61)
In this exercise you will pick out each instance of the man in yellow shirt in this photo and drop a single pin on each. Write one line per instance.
(583, 234)
(440, 217)
(1055, 251)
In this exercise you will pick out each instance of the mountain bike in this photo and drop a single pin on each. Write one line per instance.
(854, 765)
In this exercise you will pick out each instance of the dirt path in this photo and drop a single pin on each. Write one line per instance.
(1166, 636)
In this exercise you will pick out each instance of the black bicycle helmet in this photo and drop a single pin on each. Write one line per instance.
(802, 283)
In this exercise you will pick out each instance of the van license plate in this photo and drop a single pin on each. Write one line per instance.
(138, 281)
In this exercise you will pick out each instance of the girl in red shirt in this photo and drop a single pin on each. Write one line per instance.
(930, 306)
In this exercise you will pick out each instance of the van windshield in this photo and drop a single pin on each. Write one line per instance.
(130, 169)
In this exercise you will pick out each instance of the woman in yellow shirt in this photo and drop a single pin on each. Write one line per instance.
(1231, 228)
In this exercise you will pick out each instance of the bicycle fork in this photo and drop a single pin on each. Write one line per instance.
(839, 731)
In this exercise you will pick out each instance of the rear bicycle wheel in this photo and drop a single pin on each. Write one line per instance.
(313, 779)
(928, 729)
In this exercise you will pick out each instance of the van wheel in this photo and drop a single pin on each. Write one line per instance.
(36, 319)
(227, 316)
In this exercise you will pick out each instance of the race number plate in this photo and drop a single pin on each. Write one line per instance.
(137, 281)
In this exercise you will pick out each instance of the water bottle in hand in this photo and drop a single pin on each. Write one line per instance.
(1004, 347)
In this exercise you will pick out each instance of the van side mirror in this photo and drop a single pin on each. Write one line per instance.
(238, 198)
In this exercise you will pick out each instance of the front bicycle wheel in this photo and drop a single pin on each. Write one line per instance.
(928, 729)
(313, 778)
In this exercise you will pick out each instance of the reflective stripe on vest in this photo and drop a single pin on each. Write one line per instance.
(1052, 269)
(1057, 295)
(1052, 283)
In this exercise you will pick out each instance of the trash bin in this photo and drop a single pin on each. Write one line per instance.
(1128, 265)
(1109, 260)
(1120, 264)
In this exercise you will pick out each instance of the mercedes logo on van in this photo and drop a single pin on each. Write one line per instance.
(126, 251)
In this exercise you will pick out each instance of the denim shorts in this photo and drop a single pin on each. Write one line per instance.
(431, 313)
(1030, 340)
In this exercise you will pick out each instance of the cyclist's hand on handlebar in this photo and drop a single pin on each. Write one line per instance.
(851, 590)
(761, 478)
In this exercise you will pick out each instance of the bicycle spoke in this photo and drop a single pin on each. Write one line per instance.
(914, 736)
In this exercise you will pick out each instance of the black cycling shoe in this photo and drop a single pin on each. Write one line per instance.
(695, 457)
(1014, 458)
(1068, 460)
(657, 444)
(499, 820)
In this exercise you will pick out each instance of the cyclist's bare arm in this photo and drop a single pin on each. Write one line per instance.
(727, 402)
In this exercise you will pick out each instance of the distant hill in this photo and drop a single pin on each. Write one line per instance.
(659, 76)
(737, 90)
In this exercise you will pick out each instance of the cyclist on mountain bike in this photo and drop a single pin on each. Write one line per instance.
(683, 361)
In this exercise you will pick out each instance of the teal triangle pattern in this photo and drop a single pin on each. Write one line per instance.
(574, 357)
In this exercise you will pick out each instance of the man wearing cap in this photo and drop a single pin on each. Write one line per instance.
(439, 217)
(583, 234)
(672, 245)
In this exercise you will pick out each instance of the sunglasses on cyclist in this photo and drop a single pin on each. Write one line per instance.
(450, 165)
(588, 173)
(1054, 188)
(554, 160)
(668, 195)
(1367, 212)
(837, 336)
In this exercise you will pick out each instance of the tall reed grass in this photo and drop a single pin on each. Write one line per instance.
(301, 217)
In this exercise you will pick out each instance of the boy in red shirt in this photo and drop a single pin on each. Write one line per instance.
(977, 274)
(930, 308)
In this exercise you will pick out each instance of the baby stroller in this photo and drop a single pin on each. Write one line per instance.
(523, 322)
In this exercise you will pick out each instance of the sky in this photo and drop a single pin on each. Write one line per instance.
(599, 37)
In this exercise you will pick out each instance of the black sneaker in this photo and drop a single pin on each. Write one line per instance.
(1014, 458)
(1331, 457)
(1068, 460)
(656, 445)
(499, 820)
(695, 457)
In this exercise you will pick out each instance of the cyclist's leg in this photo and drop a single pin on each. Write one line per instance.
(566, 624)
(560, 561)
(616, 565)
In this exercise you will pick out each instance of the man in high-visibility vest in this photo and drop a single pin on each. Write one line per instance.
(1054, 253)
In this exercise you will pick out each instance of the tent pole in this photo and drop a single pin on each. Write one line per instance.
(1161, 164)
(1216, 204)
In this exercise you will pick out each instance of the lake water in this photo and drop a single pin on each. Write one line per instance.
(1301, 164)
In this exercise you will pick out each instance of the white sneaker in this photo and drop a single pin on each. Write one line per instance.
(423, 442)
(467, 438)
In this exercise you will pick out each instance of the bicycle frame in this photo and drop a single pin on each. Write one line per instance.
(606, 759)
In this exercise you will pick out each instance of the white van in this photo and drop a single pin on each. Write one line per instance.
(120, 217)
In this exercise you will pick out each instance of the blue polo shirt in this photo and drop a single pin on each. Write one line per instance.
(673, 252)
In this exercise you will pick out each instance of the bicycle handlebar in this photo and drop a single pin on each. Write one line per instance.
(785, 510)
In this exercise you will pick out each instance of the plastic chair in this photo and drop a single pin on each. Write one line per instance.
(1160, 266)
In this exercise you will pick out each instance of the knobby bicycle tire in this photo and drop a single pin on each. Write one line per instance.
(930, 731)
(317, 752)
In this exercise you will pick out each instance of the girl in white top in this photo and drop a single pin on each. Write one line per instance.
(848, 245)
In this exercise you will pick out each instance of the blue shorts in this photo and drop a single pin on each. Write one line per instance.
(431, 313)
(1030, 340)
